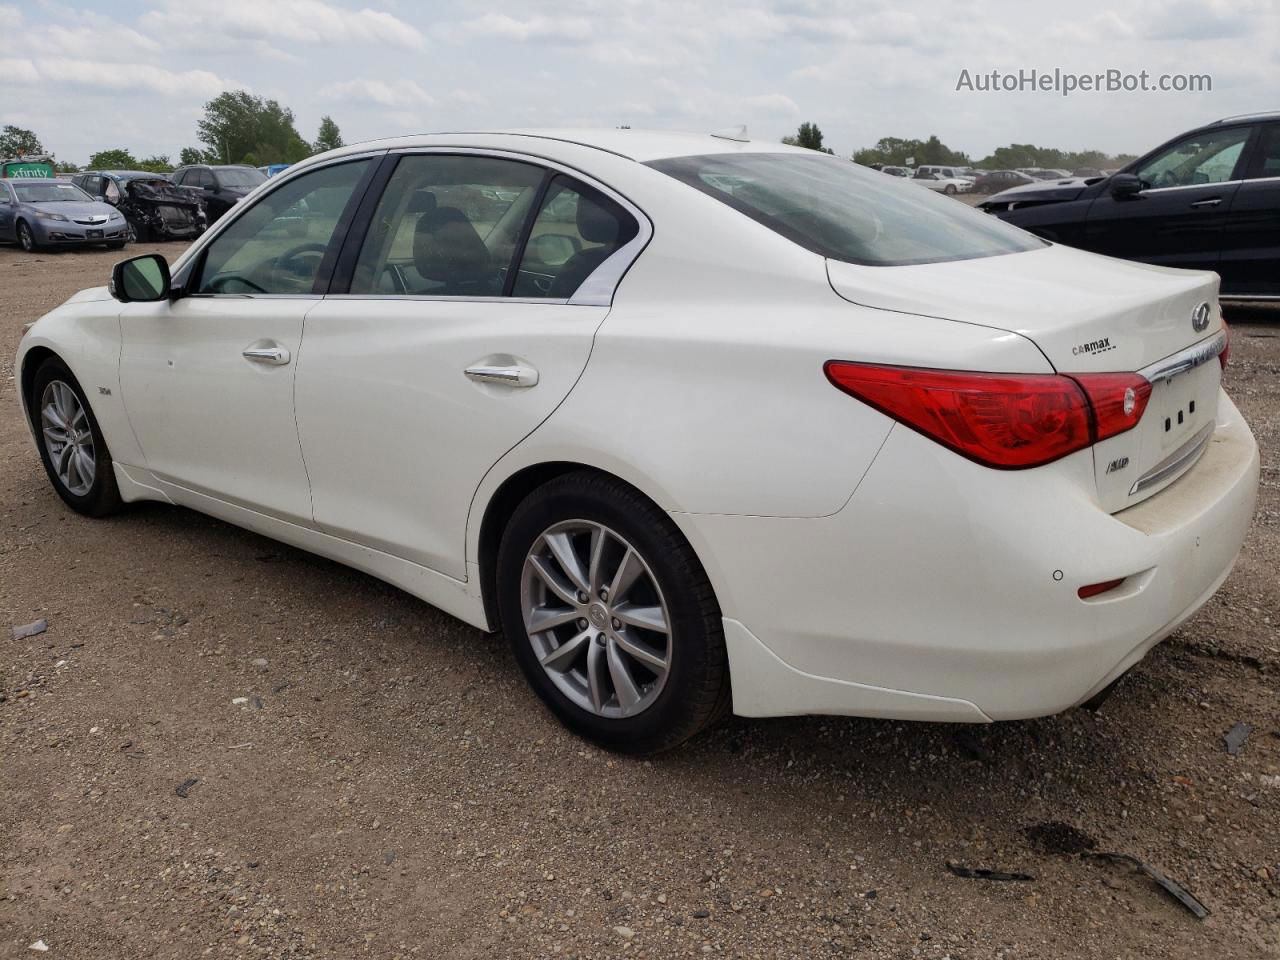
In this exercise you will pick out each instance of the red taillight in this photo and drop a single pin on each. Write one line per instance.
(1118, 400)
(1008, 421)
(1226, 347)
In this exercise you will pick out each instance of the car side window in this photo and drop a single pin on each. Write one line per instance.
(447, 226)
(1207, 157)
(577, 229)
(1267, 161)
(278, 244)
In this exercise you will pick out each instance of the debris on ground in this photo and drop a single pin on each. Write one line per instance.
(184, 788)
(39, 946)
(1175, 889)
(1236, 736)
(30, 629)
(1054, 836)
(982, 873)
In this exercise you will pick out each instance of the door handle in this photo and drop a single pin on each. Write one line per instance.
(1207, 203)
(515, 375)
(271, 354)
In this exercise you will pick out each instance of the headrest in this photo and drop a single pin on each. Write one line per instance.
(422, 201)
(446, 248)
(596, 223)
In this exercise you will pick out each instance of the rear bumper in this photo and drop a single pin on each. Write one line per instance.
(947, 591)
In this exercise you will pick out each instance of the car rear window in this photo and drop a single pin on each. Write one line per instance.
(841, 210)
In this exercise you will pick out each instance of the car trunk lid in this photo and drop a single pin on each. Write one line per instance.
(1087, 314)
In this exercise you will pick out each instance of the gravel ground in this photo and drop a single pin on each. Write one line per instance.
(388, 787)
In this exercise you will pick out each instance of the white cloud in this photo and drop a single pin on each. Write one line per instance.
(773, 103)
(143, 77)
(300, 21)
(93, 40)
(402, 93)
(556, 29)
(19, 70)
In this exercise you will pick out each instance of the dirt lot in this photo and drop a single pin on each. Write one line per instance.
(390, 788)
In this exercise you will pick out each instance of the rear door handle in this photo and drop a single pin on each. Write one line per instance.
(266, 352)
(514, 375)
(1207, 203)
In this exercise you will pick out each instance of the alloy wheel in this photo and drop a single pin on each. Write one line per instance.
(596, 618)
(68, 437)
(25, 238)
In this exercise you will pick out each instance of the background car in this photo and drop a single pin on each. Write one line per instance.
(1205, 200)
(271, 169)
(896, 171)
(156, 208)
(833, 463)
(47, 212)
(222, 187)
(941, 182)
(993, 181)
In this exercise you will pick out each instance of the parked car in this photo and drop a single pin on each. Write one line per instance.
(156, 208)
(222, 186)
(28, 168)
(942, 182)
(896, 171)
(271, 169)
(47, 212)
(758, 428)
(1206, 200)
(1087, 173)
(993, 181)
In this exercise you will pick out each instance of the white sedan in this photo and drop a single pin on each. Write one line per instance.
(699, 424)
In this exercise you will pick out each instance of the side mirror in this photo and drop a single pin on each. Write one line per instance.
(142, 279)
(1126, 186)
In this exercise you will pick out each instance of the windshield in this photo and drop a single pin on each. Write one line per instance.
(49, 192)
(846, 212)
(240, 177)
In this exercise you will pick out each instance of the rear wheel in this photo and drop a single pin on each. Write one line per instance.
(611, 615)
(72, 447)
(26, 238)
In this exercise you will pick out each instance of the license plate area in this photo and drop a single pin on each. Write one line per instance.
(93, 234)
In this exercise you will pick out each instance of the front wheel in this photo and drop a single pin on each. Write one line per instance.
(949, 189)
(26, 238)
(611, 616)
(72, 447)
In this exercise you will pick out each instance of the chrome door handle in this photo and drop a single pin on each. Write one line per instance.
(517, 375)
(1207, 203)
(275, 355)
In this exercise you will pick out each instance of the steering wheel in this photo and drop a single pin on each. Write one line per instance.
(218, 284)
(284, 261)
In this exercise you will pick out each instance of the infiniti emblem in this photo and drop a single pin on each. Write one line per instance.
(1200, 318)
(596, 613)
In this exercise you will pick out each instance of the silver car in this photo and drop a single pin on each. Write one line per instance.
(53, 213)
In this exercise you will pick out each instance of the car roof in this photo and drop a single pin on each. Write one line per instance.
(639, 145)
(33, 180)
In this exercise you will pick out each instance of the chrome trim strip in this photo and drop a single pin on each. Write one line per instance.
(1182, 458)
(1245, 297)
(451, 299)
(1191, 186)
(1188, 359)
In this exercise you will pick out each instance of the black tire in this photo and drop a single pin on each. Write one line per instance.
(696, 692)
(26, 238)
(949, 190)
(103, 496)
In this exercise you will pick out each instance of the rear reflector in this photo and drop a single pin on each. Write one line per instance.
(1093, 589)
(1007, 421)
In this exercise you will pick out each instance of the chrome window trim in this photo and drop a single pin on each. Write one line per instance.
(182, 266)
(1188, 359)
(1191, 186)
(1181, 459)
(600, 286)
(450, 299)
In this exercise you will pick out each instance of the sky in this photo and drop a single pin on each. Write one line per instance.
(136, 74)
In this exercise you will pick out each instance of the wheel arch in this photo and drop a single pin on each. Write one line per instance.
(31, 362)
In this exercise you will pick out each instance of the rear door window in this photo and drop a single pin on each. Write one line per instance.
(447, 226)
(1266, 161)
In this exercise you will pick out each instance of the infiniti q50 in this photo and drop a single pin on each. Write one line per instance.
(701, 424)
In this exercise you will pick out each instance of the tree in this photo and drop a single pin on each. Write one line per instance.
(15, 142)
(156, 163)
(329, 138)
(809, 136)
(236, 123)
(189, 155)
(895, 151)
(66, 166)
(115, 159)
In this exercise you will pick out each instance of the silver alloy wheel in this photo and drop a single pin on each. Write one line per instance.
(67, 437)
(596, 618)
(26, 239)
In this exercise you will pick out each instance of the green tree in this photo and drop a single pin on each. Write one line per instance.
(329, 137)
(156, 163)
(189, 155)
(65, 166)
(809, 136)
(15, 141)
(116, 159)
(896, 151)
(236, 123)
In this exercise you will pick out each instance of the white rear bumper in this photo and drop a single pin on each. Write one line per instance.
(944, 590)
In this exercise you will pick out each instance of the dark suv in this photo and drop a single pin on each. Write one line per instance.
(223, 186)
(1206, 200)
